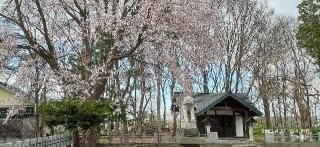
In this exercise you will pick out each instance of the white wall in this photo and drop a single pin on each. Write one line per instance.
(239, 126)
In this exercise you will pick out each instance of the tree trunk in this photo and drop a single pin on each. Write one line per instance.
(205, 80)
(266, 106)
(164, 106)
(275, 117)
(158, 79)
(140, 115)
(279, 109)
(173, 100)
(304, 114)
(77, 141)
(91, 137)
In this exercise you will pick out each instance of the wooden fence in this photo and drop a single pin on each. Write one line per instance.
(63, 140)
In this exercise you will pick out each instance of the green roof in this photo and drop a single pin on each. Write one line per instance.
(205, 101)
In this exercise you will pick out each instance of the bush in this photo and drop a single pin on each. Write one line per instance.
(73, 114)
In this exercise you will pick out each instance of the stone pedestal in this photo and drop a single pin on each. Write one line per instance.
(212, 137)
(189, 132)
(191, 140)
(251, 134)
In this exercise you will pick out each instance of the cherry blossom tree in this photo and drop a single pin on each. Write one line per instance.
(80, 41)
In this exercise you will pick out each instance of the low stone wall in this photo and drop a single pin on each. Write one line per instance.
(141, 145)
(214, 145)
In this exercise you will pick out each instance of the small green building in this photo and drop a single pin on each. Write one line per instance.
(229, 114)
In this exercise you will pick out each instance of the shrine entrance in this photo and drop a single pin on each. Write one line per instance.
(224, 125)
(227, 117)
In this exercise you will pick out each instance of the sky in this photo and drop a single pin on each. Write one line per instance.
(285, 7)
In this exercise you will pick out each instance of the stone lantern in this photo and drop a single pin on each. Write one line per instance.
(208, 127)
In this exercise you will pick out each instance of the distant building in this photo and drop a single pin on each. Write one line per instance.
(22, 125)
(6, 93)
(228, 114)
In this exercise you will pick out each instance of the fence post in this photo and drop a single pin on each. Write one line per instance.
(282, 136)
(155, 135)
(70, 137)
(98, 138)
(33, 142)
(166, 137)
(50, 142)
(44, 141)
(122, 138)
(291, 136)
(310, 137)
(318, 136)
(67, 137)
(56, 141)
(64, 140)
(59, 140)
(144, 137)
(39, 142)
(110, 138)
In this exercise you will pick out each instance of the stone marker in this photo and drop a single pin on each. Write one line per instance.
(133, 137)
(291, 137)
(302, 137)
(270, 137)
(282, 136)
(212, 137)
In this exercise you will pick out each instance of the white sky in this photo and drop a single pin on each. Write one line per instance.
(286, 7)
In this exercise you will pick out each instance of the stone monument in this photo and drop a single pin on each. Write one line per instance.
(188, 120)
